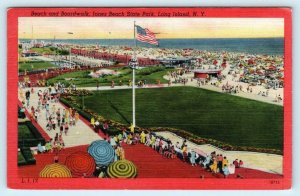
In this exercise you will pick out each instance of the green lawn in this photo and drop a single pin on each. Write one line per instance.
(28, 135)
(21, 158)
(151, 75)
(45, 50)
(34, 65)
(209, 114)
(50, 50)
(24, 132)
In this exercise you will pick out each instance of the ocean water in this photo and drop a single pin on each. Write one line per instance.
(270, 46)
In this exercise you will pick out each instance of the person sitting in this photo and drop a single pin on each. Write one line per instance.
(40, 148)
(48, 146)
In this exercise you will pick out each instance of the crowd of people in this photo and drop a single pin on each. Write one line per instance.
(59, 120)
(215, 163)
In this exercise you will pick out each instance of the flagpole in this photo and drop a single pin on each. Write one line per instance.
(133, 79)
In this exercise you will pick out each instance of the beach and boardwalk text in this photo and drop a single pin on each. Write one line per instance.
(120, 14)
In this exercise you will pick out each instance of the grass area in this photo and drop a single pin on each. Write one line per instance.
(234, 120)
(34, 65)
(82, 79)
(28, 135)
(24, 132)
(50, 50)
(45, 50)
(21, 158)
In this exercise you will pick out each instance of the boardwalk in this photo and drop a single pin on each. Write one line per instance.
(80, 134)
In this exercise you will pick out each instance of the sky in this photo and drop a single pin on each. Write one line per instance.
(112, 28)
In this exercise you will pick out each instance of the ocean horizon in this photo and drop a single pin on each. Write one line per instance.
(268, 46)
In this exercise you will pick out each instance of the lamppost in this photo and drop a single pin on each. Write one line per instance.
(133, 64)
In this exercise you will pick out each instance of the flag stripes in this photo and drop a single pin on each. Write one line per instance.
(145, 35)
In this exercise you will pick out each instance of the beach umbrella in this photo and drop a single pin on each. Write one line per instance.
(122, 169)
(55, 170)
(81, 164)
(102, 152)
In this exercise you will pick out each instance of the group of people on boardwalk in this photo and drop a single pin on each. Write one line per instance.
(58, 119)
(215, 163)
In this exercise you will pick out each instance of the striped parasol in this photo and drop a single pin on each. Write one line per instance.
(122, 169)
(55, 170)
(102, 152)
(81, 164)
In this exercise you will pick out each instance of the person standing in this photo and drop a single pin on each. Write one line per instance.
(27, 96)
(66, 128)
(193, 158)
(105, 128)
(76, 117)
(225, 162)
(220, 161)
(97, 126)
(93, 122)
(143, 137)
(214, 166)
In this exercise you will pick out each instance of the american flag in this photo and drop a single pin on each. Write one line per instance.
(145, 35)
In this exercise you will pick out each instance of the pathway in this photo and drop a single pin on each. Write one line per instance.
(271, 163)
(149, 163)
(80, 134)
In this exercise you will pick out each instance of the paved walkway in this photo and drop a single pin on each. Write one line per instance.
(261, 161)
(254, 95)
(80, 134)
